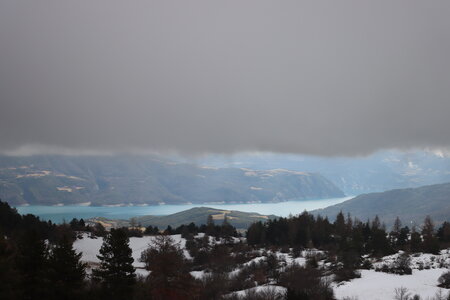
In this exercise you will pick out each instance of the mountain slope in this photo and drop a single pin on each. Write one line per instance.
(199, 215)
(378, 172)
(108, 180)
(196, 215)
(411, 205)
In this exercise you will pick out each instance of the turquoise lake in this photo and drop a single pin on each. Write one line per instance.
(59, 214)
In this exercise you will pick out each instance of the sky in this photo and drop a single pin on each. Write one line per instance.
(312, 77)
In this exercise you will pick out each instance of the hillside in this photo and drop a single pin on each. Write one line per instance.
(378, 172)
(197, 215)
(110, 180)
(411, 205)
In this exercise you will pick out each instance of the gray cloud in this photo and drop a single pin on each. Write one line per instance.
(319, 77)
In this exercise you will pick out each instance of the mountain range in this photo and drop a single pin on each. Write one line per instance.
(377, 172)
(148, 180)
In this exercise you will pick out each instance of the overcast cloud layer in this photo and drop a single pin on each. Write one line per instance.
(317, 77)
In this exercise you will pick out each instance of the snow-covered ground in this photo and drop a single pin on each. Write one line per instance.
(420, 260)
(381, 286)
(372, 285)
(426, 269)
(272, 289)
(90, 247)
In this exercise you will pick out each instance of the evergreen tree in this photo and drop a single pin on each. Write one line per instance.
(9, 218)
(227, 230)
(66, 271)
(416, 240)
(210, 226)
(116, 272)
(340, 225)
(168, 230)
(379, 242)
(397, 225)
(255, 233)
(32, 264)
(99, 230)
(430, 242)
(169, 277)
(8, 274)
(150, 230)
(403, 237)
(443, 233)
(376, 223)
(395, 233)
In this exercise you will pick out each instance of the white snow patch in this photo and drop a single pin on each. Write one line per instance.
(198, 274)
(263, 288)
(380, 286)
(91, 247)
(254, 188)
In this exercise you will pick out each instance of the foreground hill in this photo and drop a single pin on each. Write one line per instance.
(411, 205)
(108, 180)
(197, 215)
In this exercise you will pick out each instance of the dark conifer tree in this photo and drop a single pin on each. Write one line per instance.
(9, 218)
(169, 230)
(443, 233)
(32, 264)
(430, 242)
(8, 273)
(339, 225)
(99, 230)
(227, 230)
(255, 233)
(416, 241)
(116, 272)
(402, 240)
(210, 226)
(150, 230)
(395, 232)
(67, 273)
(376, 223)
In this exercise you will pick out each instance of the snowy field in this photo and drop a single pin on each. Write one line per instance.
(426, 269)
(372, 285)
(90, 247)
(381, 286)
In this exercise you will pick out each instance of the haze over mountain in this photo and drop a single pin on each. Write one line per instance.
(139, 180)
(411, 205)
(379, 172)
(316, 77)
(326, 79)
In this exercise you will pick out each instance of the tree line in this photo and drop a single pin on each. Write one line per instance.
(347, 233)
(38, 261)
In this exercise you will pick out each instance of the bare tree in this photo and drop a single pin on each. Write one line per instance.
(401, 293)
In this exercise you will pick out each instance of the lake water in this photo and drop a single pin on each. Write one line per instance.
(60, 213)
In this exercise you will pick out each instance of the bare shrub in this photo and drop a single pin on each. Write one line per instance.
(444, 280)
(401, 293)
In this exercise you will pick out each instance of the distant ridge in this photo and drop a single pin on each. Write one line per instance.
(197, 215)
(148, 180)
(412, 205)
